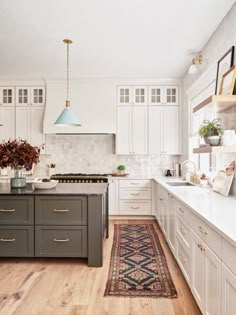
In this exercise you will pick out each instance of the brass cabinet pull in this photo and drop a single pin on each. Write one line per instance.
(7, 239)
(7, 210)
(62, 210)
(183, 259)
(134, 207)
(201, 247)
(181, 210)
(134, 183)
(134, 194)
(61, 240)
(202, 230)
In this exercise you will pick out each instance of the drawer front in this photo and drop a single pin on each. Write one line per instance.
(58, 241)
(183, 231)
(17, 210)
(60, 210)
(16, 241)
(205, 232)
(229, 255)
(142, 183)
(183, 211)
(135, 208)
(184, 259)
(141, 193)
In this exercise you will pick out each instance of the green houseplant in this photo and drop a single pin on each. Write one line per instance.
(121, 169)
(210, 128)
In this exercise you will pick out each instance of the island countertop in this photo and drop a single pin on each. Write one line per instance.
(60, 189)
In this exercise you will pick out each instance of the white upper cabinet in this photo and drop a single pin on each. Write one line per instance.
(34, 96)
(155, 130)
(7, 118)
(132, 95)
(7, 96)
(131, 137)
(163, 95)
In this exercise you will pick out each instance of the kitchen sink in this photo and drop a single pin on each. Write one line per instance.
(179, 184)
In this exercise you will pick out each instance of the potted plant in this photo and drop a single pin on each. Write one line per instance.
(121, 169)
(209, 129)
(18, 154)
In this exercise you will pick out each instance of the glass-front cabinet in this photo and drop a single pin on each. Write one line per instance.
(7, 96)
(132, 95)
(34, 96)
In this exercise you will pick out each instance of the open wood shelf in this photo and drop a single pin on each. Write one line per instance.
(215, 149)
(216, 103)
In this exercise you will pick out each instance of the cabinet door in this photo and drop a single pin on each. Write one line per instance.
(113, 197)
(7, 96)
(23, 123)
(212, 283)
(139, 130)
(37, 137)
(228, 292)
(7, 118)
(124, 130)
(22, 96)
(37, 96)
(139, 94)
(124, 96)
(155, 134)
(163, 216)
(171, 218)
(198, 271)
(155, 95)
(171, 96)
(171, 138)
(157, 210)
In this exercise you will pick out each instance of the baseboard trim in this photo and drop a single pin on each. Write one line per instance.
(132, 217)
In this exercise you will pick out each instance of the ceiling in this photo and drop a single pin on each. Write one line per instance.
(111, 38)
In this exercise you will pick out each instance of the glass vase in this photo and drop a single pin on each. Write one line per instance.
(18, 181)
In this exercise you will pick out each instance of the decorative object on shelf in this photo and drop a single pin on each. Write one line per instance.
(51, 169)
(228, 86)
(223, 180)
(204, 180)
(210, 128)
(193, 68)
(168, 173)
(18, 154)
(67, 117)
(214, 140)
(223, 65)
(121, 169)
(229, 138)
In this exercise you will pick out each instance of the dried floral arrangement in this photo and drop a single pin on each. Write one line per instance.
(17, 154)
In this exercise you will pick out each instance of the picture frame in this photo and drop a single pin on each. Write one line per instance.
(227, 85)
(223, 65)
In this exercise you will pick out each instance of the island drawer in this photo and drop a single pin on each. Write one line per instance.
(139, 193)
(17, 210)
(183, 211)
(58, 241)
(60, 210)
(16, 241)
(183, 231)
(135, 183)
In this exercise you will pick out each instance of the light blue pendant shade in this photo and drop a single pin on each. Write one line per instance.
(67, 119)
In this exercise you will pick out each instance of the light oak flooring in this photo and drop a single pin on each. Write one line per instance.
(68, 286)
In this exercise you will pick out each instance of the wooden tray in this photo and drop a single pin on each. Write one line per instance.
(119, 175)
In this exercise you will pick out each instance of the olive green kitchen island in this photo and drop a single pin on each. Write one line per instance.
(70, 220)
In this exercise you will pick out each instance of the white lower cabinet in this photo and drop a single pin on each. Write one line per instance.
(172, 220)
(183, 257)
(228, 292)
(113, 192)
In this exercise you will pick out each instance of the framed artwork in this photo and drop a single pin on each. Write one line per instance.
(227, 86)
(223, 65)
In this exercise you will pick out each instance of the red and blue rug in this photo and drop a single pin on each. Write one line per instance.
(138, 265)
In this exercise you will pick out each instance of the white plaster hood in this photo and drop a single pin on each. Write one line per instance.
(92, 101)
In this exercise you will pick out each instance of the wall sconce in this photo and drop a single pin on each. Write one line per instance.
(195, 61)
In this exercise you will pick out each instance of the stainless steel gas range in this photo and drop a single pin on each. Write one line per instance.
(81, 178)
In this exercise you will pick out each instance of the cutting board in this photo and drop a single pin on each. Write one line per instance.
(222, 183)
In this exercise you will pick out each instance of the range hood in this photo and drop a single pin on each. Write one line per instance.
(92, 101)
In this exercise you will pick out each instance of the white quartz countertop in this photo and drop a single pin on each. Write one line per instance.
(214, 208)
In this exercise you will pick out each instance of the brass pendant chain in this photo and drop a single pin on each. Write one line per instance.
(67, 71)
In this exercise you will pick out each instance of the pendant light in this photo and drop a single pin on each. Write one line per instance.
(67, 117)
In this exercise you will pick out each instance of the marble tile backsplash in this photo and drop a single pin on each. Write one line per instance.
(96, 154)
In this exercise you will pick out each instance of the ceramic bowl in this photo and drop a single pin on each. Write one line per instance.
(214, 140)
(45, 185)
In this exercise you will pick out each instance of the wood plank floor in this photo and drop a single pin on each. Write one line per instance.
(69, 287)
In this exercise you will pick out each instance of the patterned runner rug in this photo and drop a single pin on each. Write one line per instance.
(138, 266)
